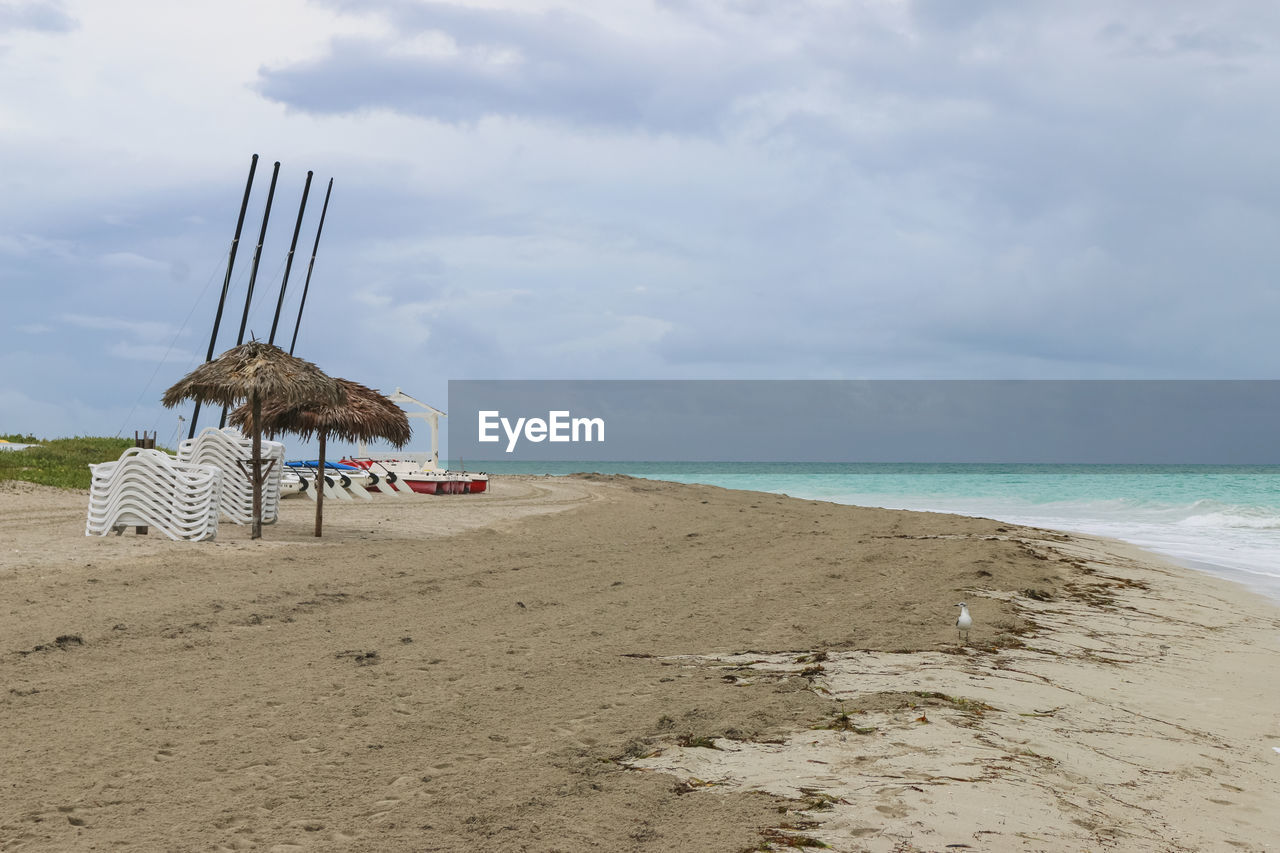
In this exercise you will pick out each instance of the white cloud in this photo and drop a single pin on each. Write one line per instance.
(27, 245)
(145, 330)
(372, 298)
(612, 333)
(133, 261)
(151, 352)
(40, 17)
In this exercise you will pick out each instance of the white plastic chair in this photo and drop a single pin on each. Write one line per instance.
(150, 488)
(229, 450)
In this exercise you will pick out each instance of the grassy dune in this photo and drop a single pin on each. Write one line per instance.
(61, 462)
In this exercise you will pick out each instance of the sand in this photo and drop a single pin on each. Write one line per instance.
(600, 663)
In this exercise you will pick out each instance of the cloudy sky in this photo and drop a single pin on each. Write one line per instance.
(637, 189)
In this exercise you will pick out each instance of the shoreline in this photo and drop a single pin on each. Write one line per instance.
(1103, 728)
(1224, 554)
(1256, 582)
(490, 671)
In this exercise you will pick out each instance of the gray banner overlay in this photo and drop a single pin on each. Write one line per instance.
(1117, 422)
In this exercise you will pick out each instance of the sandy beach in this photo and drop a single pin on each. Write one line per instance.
(606, 664)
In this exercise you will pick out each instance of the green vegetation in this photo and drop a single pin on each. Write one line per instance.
(62, 462)
(700, 741)
(969, 706)
(789, 841)
(843, 722)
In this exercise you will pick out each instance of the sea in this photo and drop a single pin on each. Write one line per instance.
(1219, 519)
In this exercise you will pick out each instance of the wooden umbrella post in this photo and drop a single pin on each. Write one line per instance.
(357, 413)
(320, 486)
(257, 466)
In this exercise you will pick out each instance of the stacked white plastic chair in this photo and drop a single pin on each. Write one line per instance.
(150, 488)
(229, 450)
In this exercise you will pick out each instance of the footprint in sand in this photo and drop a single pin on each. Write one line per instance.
(894, 810)
(308, 745)
(236, 845)
(74, 818)
(244, 836)
(233, 822)
(308, 832)
(73, 815)
(382, 808)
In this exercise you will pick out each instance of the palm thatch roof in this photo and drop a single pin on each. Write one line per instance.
(366, 415)
(255, 369)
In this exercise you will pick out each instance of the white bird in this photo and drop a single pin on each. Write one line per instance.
(964, 622)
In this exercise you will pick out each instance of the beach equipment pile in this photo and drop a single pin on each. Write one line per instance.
(359, 413)
(184, 495)
(253, 373)
(149, 488)
(230, 451)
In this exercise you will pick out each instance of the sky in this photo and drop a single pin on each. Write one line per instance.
(640, 189)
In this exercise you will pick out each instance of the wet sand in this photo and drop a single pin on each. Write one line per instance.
(600, 663)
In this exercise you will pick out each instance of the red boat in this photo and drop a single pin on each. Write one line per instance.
(408, 475)
(420, 476)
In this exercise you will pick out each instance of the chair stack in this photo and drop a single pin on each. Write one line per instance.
(149, 488)
(229, 450)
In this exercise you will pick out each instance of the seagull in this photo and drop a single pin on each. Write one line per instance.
(964, 622)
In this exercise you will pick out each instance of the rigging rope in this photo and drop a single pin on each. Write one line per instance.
(213, 273)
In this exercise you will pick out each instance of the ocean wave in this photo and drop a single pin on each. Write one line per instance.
(1250, 518)
(1203, 514)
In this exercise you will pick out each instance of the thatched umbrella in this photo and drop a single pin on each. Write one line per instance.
(365, 416)
(258, 373)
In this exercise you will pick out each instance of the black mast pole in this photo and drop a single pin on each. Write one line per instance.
(226, 282)
(253, 271)
(310, 267)
(288, 265)
(257, 253)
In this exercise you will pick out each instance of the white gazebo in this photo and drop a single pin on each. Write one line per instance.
(431, 415)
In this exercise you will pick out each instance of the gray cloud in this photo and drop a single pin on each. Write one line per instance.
(41, 17)
(734, 189)
(554, 65)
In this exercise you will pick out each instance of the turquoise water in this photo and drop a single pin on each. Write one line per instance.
(1222, 519)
